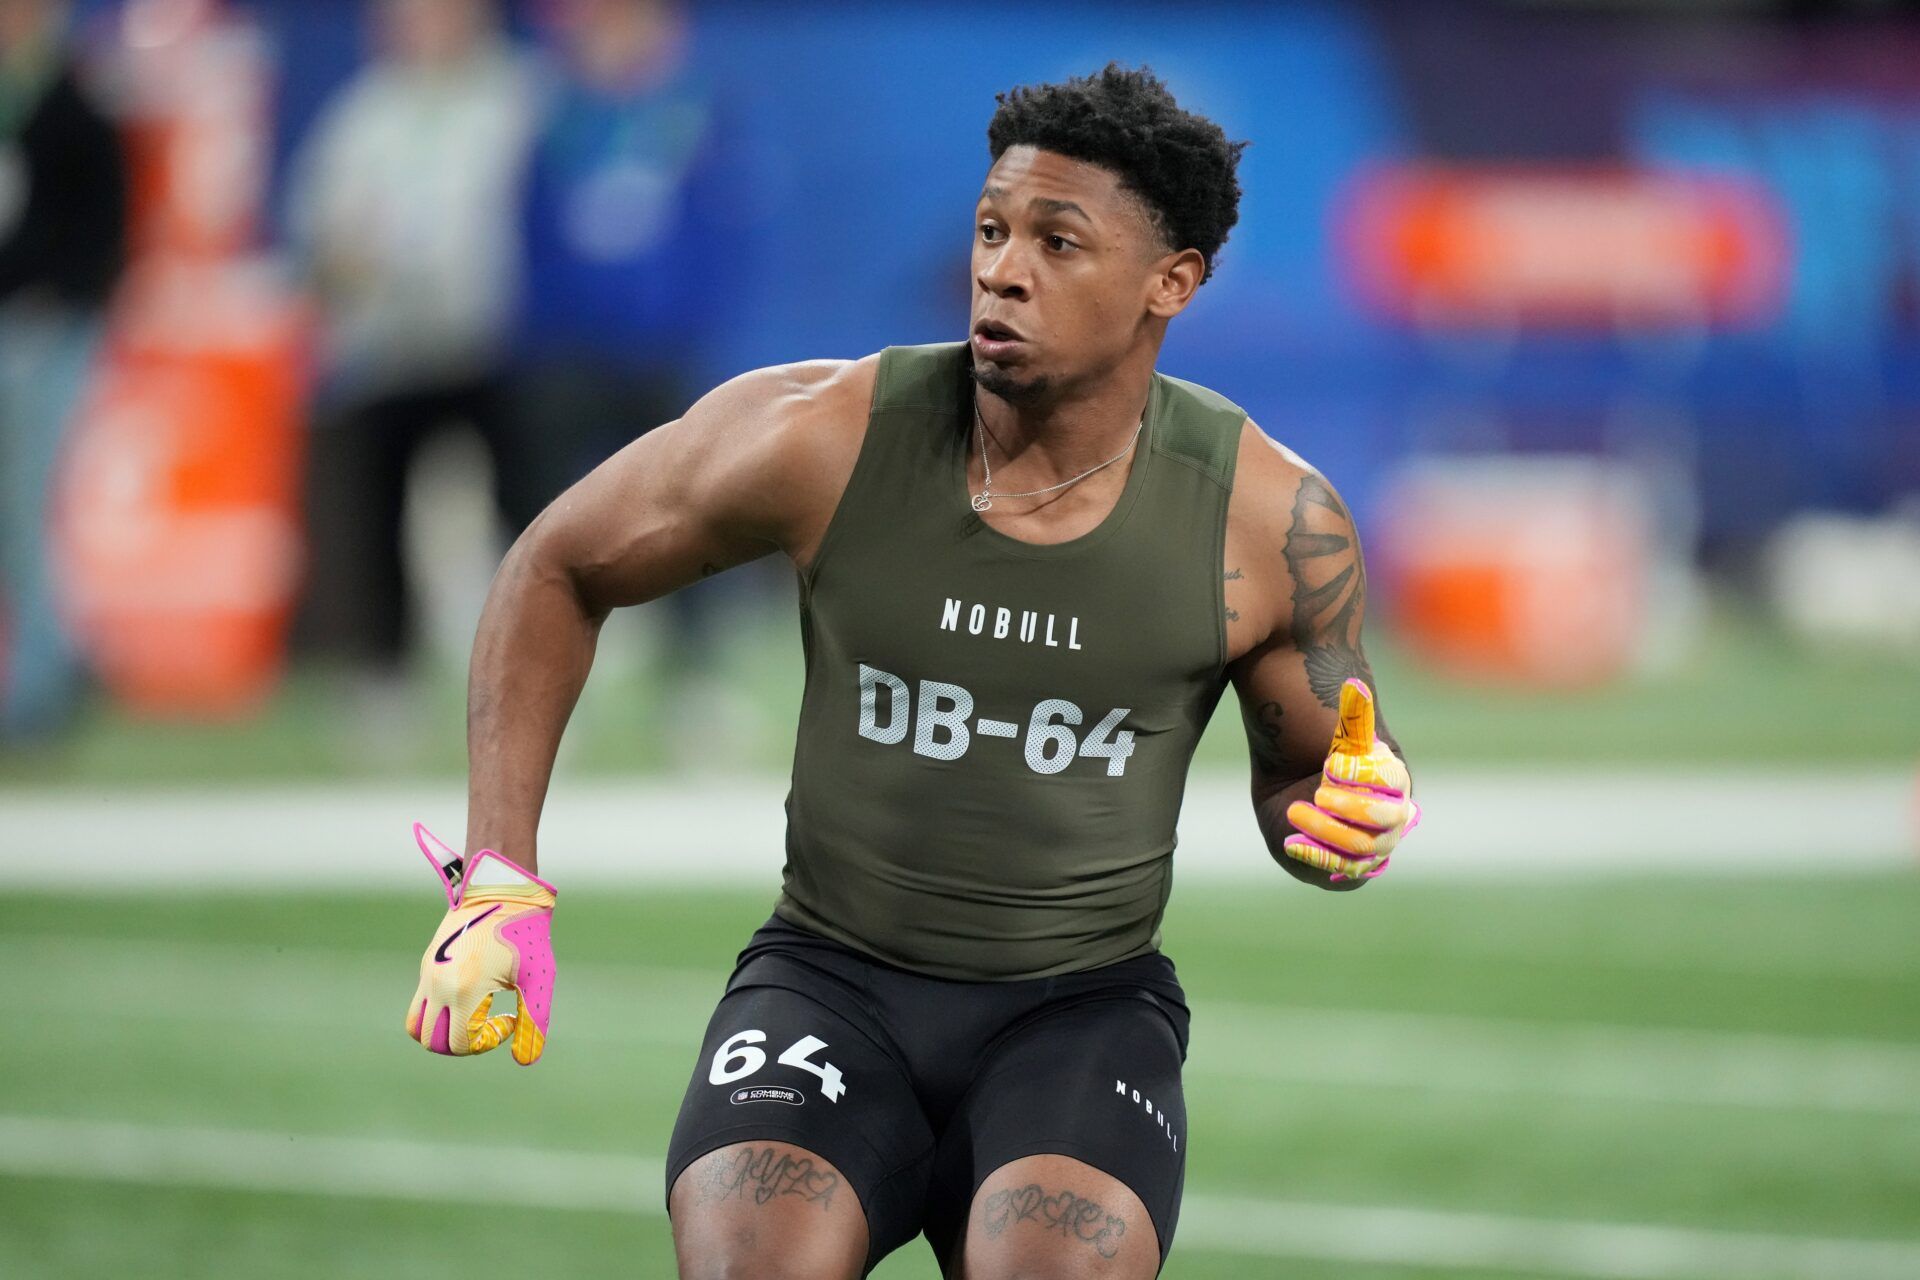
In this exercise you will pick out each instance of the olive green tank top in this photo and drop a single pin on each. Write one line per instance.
(995, 734)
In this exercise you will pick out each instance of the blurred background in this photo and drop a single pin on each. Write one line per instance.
(1605, 317)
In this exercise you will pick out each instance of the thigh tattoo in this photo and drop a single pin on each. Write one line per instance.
(762, 1174)
(1065, 1211)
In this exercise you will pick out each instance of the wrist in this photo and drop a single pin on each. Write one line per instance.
(494, 877)
(530, 896)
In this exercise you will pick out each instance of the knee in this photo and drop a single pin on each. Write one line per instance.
(766, 1212)
(1103, 1256)
(749, 1263)
(718, 1269)
(751, 1255)
(1064, 1269)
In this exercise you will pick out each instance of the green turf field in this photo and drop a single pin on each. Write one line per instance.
(1689, 1058)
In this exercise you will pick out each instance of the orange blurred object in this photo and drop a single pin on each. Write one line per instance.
(1529, 570)
(178, 517)
(178, 513)
(1465, 247)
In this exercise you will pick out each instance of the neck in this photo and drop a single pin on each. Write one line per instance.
(1071, 430)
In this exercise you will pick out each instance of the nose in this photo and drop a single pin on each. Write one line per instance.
(1002, 272)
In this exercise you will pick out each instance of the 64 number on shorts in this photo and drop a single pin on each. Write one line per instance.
(739, 1057)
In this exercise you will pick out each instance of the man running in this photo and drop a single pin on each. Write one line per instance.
(1029, 564)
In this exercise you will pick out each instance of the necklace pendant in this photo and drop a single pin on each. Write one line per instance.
(981, 502)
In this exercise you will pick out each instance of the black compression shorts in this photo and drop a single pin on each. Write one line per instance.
(917, 1089)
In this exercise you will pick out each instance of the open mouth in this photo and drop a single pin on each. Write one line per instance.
(993, 331)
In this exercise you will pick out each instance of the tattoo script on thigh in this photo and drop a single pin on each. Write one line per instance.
(762, 1174)
(1064, 1211)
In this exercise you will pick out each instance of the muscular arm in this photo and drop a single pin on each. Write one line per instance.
(1295, 609)
(754, 467)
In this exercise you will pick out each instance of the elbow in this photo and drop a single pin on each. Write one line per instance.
(539, 567)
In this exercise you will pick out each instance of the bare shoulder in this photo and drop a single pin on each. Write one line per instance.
(1291, 543)
(1266, 480)
(782, 441)
(796, 387)
(789, 408)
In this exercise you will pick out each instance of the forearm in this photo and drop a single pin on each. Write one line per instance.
(531, 657)
(1270, 803)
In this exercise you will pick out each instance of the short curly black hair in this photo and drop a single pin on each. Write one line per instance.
(1180, 164)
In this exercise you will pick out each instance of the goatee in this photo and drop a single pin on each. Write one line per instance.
(1009, 388)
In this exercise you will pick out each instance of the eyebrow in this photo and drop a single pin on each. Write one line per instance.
(1040, 204)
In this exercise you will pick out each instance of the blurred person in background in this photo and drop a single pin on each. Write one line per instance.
(401, 212)
(63, 209)
(622, 289)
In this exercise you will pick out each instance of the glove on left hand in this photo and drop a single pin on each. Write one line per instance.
(1361, 810)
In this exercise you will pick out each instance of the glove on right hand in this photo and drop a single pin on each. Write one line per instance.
(496, 937)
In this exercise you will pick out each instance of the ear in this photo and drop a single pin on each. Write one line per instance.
(1173, 281)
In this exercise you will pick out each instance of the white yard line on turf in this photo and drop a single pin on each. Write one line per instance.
(311, 1164)
(489, 1174)
(730, 830)
(1497, 1057)
(1507, 1057)
(1476, 1242)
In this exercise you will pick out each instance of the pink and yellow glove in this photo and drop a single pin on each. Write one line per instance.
(497, 936)
(1362, 809)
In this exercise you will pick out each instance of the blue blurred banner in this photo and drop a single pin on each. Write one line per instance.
(856, 145)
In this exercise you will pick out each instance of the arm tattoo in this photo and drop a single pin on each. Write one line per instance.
(1329, 590)
(763, 1174)
(1065, 1212)
(1330, 665)
(1263, 736)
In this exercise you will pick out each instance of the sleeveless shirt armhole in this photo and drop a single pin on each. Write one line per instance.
(1207, 443)
(1220, 543)
(862, 463)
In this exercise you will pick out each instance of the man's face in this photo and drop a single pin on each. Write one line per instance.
(1064, 263)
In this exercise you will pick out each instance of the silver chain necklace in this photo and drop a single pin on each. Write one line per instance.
(983, 500)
